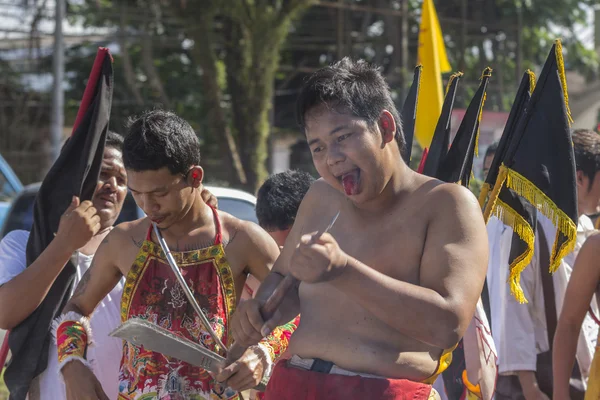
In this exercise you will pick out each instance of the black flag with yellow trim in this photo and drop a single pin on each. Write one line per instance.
(538, 174)
(458, 163)
(508, 136)
(409, 113)
(441, 137)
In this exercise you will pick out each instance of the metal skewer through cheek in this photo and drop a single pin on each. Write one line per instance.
(185, 287)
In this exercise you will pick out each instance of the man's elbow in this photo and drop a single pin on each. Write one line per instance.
(447, 331)
(6, 321)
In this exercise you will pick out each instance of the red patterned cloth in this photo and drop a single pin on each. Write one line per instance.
(290, 383)
(153, 293)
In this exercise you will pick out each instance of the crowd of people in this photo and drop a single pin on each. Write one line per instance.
(389, 267)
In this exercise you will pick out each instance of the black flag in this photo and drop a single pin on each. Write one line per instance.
(538, 173)
(441, 137)
(75, 173)
(458, 163)
(409, 113)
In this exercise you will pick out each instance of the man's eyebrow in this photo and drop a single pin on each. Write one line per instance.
(333, 131)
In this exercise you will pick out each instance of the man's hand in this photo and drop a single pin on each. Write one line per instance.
(530, 387)
(317, 259)
(209, 198)
(535, 393)
(247, 323)
(245, 373)
(81, 383)
(78, 224)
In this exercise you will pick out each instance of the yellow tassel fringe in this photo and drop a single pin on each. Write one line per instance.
(560, 220)
(511, 218)
(485, 189)
(563, 79)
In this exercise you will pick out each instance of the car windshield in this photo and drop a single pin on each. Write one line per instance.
(20, 215)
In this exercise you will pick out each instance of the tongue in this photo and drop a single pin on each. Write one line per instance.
(350, 182)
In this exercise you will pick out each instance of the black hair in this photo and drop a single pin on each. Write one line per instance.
(491, 150)
(279, 198)
(586, 146)
(350, 86)
(114, 140)
(158, 139)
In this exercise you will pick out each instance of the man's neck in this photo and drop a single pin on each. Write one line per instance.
(198, 215)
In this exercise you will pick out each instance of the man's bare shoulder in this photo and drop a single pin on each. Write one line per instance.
(129, 233)
(320, 193)
(452, 198)
(591, 247)
(236, 229)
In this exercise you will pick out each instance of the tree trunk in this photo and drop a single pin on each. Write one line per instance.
(200, 29)
(251, 61)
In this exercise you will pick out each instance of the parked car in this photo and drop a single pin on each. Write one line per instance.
(20, 215)
(10, 185)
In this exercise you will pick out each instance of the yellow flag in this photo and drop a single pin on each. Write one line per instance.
(432, 55)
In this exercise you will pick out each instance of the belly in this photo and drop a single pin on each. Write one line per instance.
(335, 328)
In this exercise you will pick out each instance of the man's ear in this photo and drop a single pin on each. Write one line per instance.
(387, 126)
(195, 176)
(582, 180)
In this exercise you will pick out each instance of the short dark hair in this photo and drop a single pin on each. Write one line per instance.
(349, 86)
(114, 140)
(279, 198)
(586, 146)
(158, 139)
(491, 150)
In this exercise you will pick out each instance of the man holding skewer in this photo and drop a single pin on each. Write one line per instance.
(388, 292)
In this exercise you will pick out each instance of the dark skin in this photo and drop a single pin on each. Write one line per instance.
(175, 204)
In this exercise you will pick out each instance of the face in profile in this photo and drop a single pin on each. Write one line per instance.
(588, 193)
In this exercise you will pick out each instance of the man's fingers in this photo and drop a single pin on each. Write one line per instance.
(84, 206)
(73, 205)
(240, 381)
(227, 372)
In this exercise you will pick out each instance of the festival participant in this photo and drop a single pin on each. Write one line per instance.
(82, 229)
(215, 251)
(388, 292)
(584, 283)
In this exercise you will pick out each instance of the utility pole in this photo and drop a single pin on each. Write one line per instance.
(58, 73)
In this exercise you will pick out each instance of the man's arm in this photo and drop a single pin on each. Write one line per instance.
(582, 284)
(77, 226)
(102, 276)
(71, 334)
(259, 249)
(247, 322)
(452, 272)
